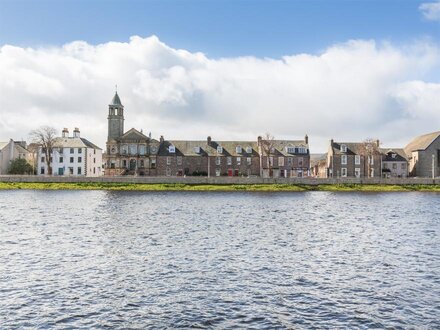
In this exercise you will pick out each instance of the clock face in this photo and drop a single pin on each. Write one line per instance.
(113, 150)
(153, 149)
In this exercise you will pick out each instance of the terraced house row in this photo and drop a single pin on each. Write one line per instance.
(133, 153)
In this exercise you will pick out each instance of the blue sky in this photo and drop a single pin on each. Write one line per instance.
(217, 28)
(231, 69)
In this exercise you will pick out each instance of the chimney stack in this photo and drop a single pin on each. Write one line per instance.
(331, 142)
(65, 133)
(306, 139)
(259, 139)
(378, 143)
(76, 132)
(208, 140)
(161, 139)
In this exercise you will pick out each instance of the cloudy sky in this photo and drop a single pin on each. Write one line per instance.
(229, 69)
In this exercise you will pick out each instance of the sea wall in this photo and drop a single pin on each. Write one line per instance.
(219, 180)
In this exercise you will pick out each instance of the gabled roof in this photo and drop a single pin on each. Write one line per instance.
(3, 144)
(133, 134)
(282, 145)
(387, 154)
(353, 148)
(90, 144)
(421, 142)
(188, 148)
(74, 142)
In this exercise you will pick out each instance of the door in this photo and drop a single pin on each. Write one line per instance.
(132, 164)
(236, 173)
(61, 171)
(230, 173)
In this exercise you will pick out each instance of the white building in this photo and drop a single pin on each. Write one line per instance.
(72, 156)
(10, 151)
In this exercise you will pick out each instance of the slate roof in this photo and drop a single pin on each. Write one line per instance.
(316, 159)
(387, 153)
(71, 142)
(188, 148)
(133, 134)
(3, 144)
(282, 145)
(353, 148)
(421, 142)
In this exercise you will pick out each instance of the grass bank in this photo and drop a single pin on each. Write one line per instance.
(210, 187)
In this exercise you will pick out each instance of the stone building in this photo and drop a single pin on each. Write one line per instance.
(129, 152)
(423, 155)
(133, 153)
(72, 156)
(353, 159)
(394, 163)
(284, 158)
(10, 151)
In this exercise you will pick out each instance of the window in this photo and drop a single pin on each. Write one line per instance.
(80, 150)
(343, 148)
(302, 150)
(61, 150)
(72, 150)
(197, 150)
(133, 149)
(179, 160)
(394, 166)
(385, 165)
(371, 160)
(94, 160)
(79, 170)
(42, 159)
(238, 149)
(94, 170)
(238, 159)
(79, 159)
(50, 160)
(217, 172)
(249, 150)
(357, 172)
(218, 160)
(124, 149)
(61, 159)
(124, 163)
(94, 152)
(229, 160)
(269, 161)
(300, 162)
(249, 160)
(153, 163)
(142, 150)
(42, 170)
(71, 159)
(71, 170)
(272, 150)
(393, 155)
(344, 159)
(280, 161)
(112, 164)
(403, 166)
(141, 163)
(357, 160)
(290, 150)
(219, 149)
(168, 171)
(343, 172)
(289, 161)
(171, 149)
(168, 160)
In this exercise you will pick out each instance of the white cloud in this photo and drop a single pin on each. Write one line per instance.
(350, 91)
(431, 10)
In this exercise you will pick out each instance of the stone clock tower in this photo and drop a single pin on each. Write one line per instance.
(115, 118)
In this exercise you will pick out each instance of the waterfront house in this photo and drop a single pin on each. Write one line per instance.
(394, 163)
(72, 156)
(353, 159)
(423, 154)
(10, 151)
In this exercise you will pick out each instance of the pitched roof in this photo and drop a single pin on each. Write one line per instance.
(282, 145)
(133, 134)
(316, 159)
(421, 142)
(353, 148)
(89, 144)
(387, 154)
(74, 142)
(3, 144)
(191, 148)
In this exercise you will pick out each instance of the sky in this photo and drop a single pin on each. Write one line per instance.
(347, 70)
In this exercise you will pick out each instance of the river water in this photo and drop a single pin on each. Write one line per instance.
(137, 260)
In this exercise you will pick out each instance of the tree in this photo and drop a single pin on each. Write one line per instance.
(369, 148)
(45, 137)
(20, 166)
(267, 144)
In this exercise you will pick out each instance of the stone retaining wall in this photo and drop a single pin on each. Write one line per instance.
(220, 180)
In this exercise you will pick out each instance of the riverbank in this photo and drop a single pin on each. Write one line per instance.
(212, 187)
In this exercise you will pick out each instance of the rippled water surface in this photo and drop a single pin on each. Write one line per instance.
(97, 259)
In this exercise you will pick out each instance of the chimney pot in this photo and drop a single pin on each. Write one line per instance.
(208, 139)
(161, 139)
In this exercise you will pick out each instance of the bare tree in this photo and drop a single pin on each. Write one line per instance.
(45, 137)
(267, 144)
(368, 149)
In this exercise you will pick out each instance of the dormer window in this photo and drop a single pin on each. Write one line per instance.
(238, 149)
(197, 150)
(220, 149)
(290, 150)
(249, 150)
(393, 155)
(172, 149)
(343, 148)
(302, 150)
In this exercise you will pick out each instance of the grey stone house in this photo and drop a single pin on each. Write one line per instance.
(394, 163)
(353, 159)
(423, 155)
